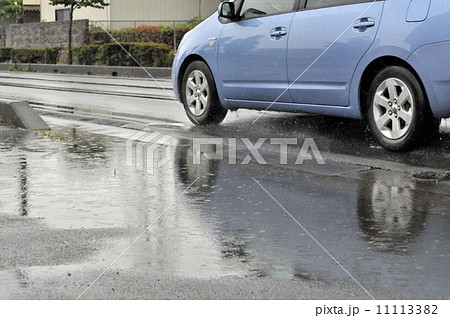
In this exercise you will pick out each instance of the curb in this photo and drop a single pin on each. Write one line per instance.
(20, 114)
(122, 71)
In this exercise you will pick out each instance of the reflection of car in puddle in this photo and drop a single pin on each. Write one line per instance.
(390, 212)
(384, 206)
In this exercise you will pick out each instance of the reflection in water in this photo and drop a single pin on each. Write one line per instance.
(226, 224)
(188, 172)
(23, 186)
(233, 242)
(388, 209)
(86, 148)
(390, 212)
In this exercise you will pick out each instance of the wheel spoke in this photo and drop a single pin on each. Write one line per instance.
(203, 100)
(392, 91)
(382, 101)
(191, 99)
(198, 108)
(395, 125)
(191, 83)
(383, 121)
(198, 78)
(404, 97)
(406, 116)
(204, 86)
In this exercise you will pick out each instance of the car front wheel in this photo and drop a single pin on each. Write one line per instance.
(200, 98)
(398, 112)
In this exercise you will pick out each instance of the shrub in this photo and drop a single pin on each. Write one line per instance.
(111, 54)
(27, 55)
(97, 36)
(167, 35)
(191, 23)
(51, 55)
(5, 54)
(31, 55)
(170, 58)
(86, 55)
(143, 33)
(147, 54)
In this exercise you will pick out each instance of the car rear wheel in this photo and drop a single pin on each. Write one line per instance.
(398, 112)
(200, 98)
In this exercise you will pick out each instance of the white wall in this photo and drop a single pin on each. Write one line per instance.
(162, 9)
(139, 10)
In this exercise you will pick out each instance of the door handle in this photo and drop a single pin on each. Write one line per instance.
(364, 23)
(278, 32)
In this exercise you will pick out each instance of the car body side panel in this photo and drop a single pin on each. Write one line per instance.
(324, 49)
(252, 64)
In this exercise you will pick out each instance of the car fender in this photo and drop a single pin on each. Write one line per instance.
(202, 43)
(434, 76)
(372, 55)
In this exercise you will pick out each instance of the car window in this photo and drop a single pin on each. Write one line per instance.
(256, 8)
(314, 4)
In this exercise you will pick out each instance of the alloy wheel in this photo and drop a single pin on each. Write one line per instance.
(197, 92)
(393, 108)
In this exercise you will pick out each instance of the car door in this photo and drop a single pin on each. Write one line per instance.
(327, 40)
(252, 51)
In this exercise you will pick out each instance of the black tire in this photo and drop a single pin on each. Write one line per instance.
(406, 122)
(205, 107)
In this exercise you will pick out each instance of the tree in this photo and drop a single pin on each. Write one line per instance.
(73, 5)
(10, 8)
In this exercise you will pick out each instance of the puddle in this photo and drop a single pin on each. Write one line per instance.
(212, 220)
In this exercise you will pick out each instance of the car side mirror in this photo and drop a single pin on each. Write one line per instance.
(227, 10)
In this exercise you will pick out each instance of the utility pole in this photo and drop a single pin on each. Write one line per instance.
(200, 9)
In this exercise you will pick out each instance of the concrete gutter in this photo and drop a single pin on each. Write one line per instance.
(20, 114)
(124, 71)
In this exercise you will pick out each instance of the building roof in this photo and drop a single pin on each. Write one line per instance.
(32, 5)
(31, 8)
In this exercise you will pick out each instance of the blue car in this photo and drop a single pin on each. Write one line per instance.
(384, 61)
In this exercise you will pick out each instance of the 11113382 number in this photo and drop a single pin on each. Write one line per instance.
(407, 310)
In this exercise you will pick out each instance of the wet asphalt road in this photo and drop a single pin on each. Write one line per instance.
(71, 202)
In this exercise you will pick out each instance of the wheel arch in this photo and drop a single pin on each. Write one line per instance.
(187, 61)
(371, 71)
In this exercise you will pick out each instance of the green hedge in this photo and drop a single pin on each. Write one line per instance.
(5, 54)
(31, 55)
(147, 54)
(86, 55)
(145, 34)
